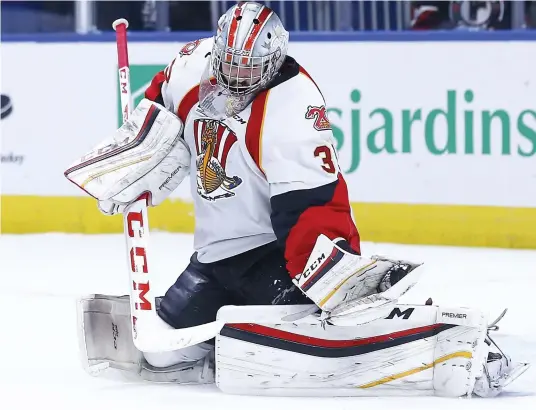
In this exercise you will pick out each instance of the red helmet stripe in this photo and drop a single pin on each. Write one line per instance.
(263, 16)
(233, 27)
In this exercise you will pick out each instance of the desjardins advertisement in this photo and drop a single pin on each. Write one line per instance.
(447, 126)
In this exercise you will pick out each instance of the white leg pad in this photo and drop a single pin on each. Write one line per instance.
(105, 341)
(416, 350)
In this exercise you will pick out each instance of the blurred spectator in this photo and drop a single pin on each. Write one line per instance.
(108, 11)
(530, 13)
(143, 15)
(431, 15)
(180, 15)
(58, 16)
(37, 16)
(190, 15)
(476, 15)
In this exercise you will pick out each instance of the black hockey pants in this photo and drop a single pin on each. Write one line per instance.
(256, 277)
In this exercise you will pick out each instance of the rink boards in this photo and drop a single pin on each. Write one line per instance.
(437, 139)
(507, 227)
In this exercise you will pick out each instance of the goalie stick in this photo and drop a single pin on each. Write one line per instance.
(135, 218)
(146, 334)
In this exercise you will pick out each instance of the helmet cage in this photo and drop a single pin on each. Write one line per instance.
(240, 72)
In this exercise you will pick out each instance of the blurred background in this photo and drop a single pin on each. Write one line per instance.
(94, 16)
(432, 106)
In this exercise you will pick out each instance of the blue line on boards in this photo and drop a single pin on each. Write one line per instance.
(329, 36)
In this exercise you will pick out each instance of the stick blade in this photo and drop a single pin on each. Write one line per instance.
(167, 340)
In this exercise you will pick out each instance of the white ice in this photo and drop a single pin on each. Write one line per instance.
(42, 275)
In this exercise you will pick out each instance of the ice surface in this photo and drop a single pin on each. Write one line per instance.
(42, 275)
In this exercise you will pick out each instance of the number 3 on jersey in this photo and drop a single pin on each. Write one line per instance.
(324, 153)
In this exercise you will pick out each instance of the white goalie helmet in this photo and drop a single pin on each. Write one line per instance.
(249, 48)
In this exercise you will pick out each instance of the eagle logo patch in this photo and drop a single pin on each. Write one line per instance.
(213, 141)
(320, 117)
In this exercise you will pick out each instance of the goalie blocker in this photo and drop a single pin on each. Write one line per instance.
(415, 350)
(147, 154)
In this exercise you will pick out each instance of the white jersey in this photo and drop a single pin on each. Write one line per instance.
(268, 173)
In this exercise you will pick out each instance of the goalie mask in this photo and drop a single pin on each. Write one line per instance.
(250, 46)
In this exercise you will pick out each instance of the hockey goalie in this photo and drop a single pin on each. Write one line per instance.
(277, 298)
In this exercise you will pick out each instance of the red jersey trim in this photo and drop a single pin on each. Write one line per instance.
(155, 89)
(188, 101)
(333, 219)
(255, 128)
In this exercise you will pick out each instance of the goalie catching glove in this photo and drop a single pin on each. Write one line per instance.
(344, 284)
(146, 155)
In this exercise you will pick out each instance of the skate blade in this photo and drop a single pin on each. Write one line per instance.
(517, 371)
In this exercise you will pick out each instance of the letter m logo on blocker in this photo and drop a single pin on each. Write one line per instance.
(398, 313)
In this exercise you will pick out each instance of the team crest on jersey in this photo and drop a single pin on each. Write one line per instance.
(213, 141)
(189, 48)
(320, 117)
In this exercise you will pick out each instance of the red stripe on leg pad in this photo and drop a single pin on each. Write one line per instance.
(314, 341)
